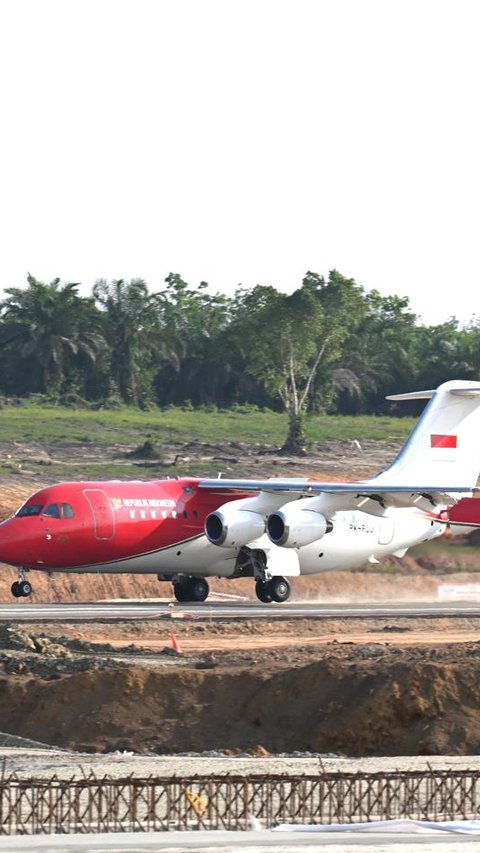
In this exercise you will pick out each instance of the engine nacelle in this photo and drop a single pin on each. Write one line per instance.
(293, 526)
(232, 528)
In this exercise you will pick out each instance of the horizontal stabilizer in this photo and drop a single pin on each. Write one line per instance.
(458, 391)
(411, 395)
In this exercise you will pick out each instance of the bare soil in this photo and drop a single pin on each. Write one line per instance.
(351, 687)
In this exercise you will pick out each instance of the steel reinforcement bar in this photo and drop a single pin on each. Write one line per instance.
(92, 804)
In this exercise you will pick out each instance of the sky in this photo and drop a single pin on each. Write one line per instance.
(244, 142)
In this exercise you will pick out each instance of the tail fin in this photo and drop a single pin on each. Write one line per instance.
(444, 447)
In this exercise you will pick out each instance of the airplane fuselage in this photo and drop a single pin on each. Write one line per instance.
(158, 527)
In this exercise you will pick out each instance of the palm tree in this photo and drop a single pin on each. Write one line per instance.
(130, 319)
(190, 326)
(47, 326)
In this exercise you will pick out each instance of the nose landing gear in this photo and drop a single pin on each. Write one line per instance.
(21, 588)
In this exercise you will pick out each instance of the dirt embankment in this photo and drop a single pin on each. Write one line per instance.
(332, 696)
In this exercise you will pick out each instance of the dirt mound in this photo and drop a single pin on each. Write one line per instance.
(370, 701)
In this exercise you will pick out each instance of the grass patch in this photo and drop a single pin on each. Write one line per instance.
(125, 426)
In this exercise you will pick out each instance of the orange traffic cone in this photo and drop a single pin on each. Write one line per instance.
(176, 645)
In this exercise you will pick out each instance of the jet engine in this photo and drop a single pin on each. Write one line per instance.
(231, 527)
(294, 527)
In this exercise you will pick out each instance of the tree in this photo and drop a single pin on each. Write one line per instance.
(191, 324)
(378, 356)
(289, 339)
(129, 325)
(446, 352)
(47, 326)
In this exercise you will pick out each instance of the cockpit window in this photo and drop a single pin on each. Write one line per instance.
(62, 510)
(53, 510)
(59, 510)
(29, 509)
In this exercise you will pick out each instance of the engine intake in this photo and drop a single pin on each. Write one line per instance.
(294, 527)
(233, 529)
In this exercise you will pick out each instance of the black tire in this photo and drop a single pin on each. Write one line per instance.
(25, 588)
(262, 591)
(198, 589)
(15, 589)
(279, 589)
(180, 591)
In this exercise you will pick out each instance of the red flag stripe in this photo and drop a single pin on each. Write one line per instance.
(443, 441)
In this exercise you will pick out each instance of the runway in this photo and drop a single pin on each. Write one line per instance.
(25, 610)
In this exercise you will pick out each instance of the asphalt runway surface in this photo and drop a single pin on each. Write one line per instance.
(26, 610)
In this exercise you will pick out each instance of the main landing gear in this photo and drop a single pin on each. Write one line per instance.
(21, 588)
(191, 589)
(277, 589)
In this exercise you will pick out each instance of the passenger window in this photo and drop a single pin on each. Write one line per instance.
(52, 510)
(29, 509)
(67, 511)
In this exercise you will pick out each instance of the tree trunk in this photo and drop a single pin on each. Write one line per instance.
(296, 438)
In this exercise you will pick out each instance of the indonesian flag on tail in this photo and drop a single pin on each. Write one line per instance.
(443, 441)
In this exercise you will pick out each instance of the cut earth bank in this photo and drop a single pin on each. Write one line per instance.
(352, 687)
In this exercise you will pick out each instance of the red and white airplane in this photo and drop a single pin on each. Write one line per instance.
(186, 530)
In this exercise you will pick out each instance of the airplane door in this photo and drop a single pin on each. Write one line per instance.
(102, 513)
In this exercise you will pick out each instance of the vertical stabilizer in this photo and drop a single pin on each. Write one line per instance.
(443, 450)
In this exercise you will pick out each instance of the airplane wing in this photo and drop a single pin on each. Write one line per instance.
(280, 484)
(391, 494)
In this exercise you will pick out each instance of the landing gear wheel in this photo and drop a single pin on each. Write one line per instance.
(198, 589)
(15, 589)
(21, 589)
(279, 589)
(180, 591)
(192, 589)
(262, 591)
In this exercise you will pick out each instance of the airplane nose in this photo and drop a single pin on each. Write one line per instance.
(13, 547)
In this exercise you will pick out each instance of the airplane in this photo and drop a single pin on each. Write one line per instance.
(188, 529)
